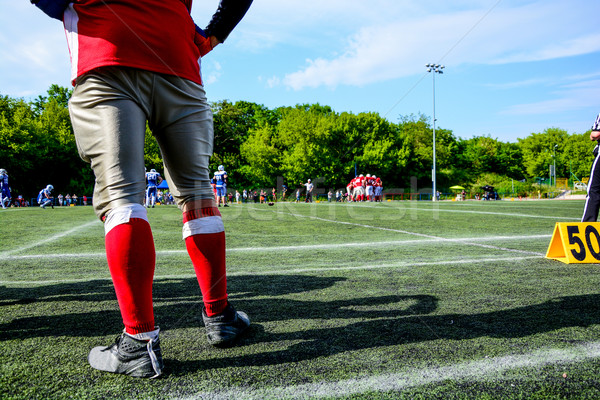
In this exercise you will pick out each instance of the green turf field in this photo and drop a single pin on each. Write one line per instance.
(414, 300)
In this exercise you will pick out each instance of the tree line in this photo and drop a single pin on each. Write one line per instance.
(258, 146)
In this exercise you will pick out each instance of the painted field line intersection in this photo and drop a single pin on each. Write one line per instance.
(423, 235)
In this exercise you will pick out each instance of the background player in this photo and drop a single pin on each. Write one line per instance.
(45, 197)
(154, 179)
(369, 181)
(221, 186)
(378, 188)
(4, 188)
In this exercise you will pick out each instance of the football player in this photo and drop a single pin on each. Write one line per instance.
(349, 188)
(378, 188)
(221, 186)
(369, 187)
(4, 188)
(45, 197)
(137, 64)
(154, 179)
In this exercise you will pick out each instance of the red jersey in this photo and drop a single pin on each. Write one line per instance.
(111, 33)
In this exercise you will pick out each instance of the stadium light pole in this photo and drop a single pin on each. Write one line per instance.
(434, 69)
(554, 168)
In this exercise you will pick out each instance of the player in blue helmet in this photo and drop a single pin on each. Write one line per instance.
(154, 179)
(45, 197)
(4, 188)
(221, 186)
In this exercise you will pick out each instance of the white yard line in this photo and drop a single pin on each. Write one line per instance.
(436, 208)
(52, 238)
(280, 271)
(398, 231)
(332, 246)
(479, 370)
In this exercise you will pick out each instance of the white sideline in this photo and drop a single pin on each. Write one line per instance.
(280, 271)
(296, 248)
(479, 370)
(52, 238)
(559, 218)
(435, 208)
(401, 231)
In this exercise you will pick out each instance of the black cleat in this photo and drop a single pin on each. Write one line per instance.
(225, 328)
(141, 358)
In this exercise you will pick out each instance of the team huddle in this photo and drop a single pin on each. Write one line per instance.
(365, 188)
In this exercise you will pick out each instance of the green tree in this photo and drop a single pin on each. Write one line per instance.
(538, 150)
(420, 137)
(233, 123)
(575, 156)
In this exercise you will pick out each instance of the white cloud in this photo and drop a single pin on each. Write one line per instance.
(567, 48)
(568, 98)
(383, 51)
(211, 72)
(273, 82)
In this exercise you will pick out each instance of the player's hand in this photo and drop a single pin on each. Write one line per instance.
(595, 135)
(204, 43)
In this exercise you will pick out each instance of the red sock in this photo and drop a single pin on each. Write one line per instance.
(131, 260)
(207, 252)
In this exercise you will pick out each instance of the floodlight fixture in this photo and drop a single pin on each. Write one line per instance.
(435, 68)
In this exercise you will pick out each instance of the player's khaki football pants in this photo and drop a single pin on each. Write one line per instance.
(109, 109)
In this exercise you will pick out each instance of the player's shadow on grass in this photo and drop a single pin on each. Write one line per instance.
(90, 309)
(382, 323)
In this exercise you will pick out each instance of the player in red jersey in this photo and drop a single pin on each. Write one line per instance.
(137, 63)
(378, 188)
(350, 188)
(358, 188)
(369, 181)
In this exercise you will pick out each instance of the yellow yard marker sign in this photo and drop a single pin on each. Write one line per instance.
(575, 242)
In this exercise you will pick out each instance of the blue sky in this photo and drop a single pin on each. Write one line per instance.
(513, 67)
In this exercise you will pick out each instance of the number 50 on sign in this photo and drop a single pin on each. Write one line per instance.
(575, 242)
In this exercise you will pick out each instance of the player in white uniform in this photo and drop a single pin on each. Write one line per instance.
(154, 179)
(4, 188)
